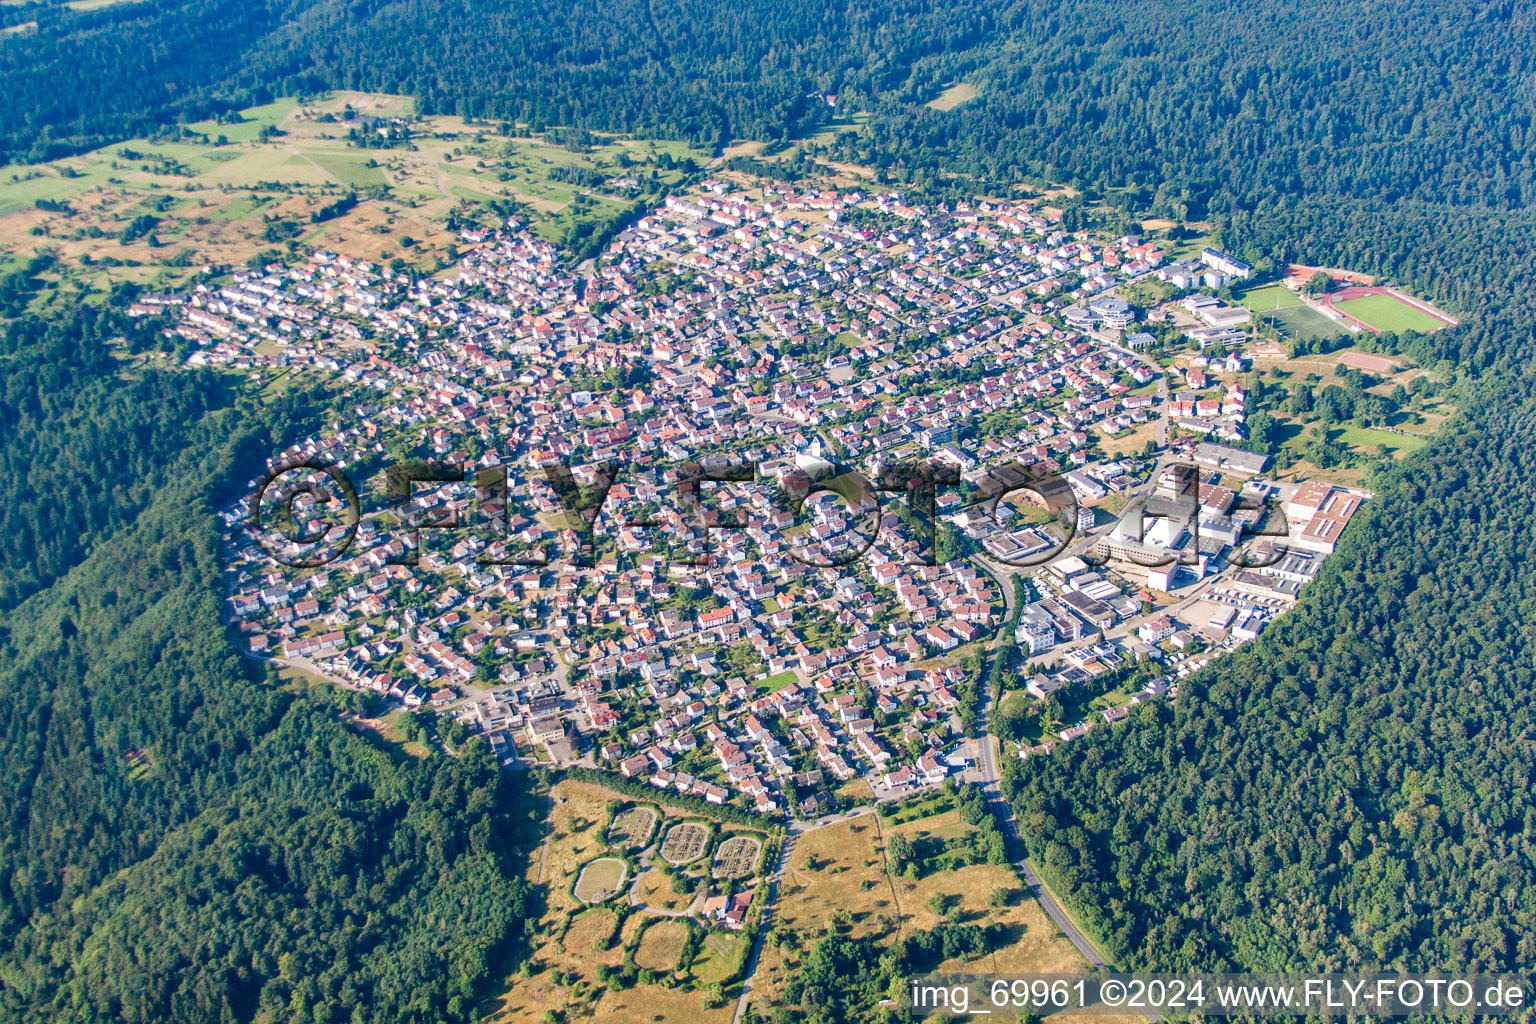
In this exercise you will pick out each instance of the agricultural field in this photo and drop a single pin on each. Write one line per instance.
(601, 880)
(1388, 313)
(737, 857)
(224, 193)
(632, 829)
(684, 843)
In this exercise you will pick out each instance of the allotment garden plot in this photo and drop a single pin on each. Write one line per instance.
(632, 829)
(737, 857)
(684, 843)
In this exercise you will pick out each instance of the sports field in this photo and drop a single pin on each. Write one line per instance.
(1303, 323)
(1262, 300)
(1388, 313)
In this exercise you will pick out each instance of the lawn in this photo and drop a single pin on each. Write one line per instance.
(1368, 439)
(601, 879)
(923, 807)
(773, 684)
(1386, 313)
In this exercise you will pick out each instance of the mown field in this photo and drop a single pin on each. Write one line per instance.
(1386, 313)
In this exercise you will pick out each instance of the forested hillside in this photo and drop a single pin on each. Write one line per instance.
(181, 840)
(1350, 790)
(105, 438)
(1197, 103)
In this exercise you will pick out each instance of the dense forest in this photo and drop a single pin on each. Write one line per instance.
(181, 840)
(106, 438)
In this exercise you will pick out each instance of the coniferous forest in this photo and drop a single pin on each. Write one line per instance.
(1351, 790)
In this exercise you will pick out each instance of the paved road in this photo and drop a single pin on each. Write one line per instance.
(763, 924)
(987, 764)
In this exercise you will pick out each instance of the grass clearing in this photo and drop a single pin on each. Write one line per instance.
(661, 946)
(1132, 441)
(654, 890)
(952, 97)
(590, 933)
(96, 5)
(1368, 440)
(716, 958)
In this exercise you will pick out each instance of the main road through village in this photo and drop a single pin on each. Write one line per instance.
(986, 767)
